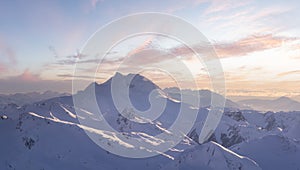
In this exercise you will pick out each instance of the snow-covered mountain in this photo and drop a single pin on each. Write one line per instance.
(280, 104)
(205, 97)
(47, 134)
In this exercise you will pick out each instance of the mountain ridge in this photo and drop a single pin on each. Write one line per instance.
(280, 104)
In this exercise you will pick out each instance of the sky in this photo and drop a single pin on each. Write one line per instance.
(257, 42)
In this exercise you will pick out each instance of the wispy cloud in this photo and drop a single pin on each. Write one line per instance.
(145, 45)
(294, 72)
(71, 76)
(94, 3)
(241, 47)
(224, 5)
(250, 44)
(8, 57)
(235, 19)
(147, 57)
(90, 5)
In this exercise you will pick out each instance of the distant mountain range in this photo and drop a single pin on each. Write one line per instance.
(205, 97)
(280, 104)
(21, 99)
(297, 98)
(276, 105)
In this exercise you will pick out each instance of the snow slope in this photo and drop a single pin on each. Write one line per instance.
(272, 152)
(211, 156)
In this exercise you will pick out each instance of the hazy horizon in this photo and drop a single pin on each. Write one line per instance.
(233, 98)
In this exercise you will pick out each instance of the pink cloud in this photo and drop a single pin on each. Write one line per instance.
(294, 72)
(28, 82)
(142, 47)
(250, 44)
(2, 67)
(94, 3)
(28, 76)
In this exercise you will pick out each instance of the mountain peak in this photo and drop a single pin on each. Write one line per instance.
(134, 81)
(287, 100)
(129, 76)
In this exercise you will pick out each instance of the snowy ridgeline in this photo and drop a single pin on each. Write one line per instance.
(47, 135)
